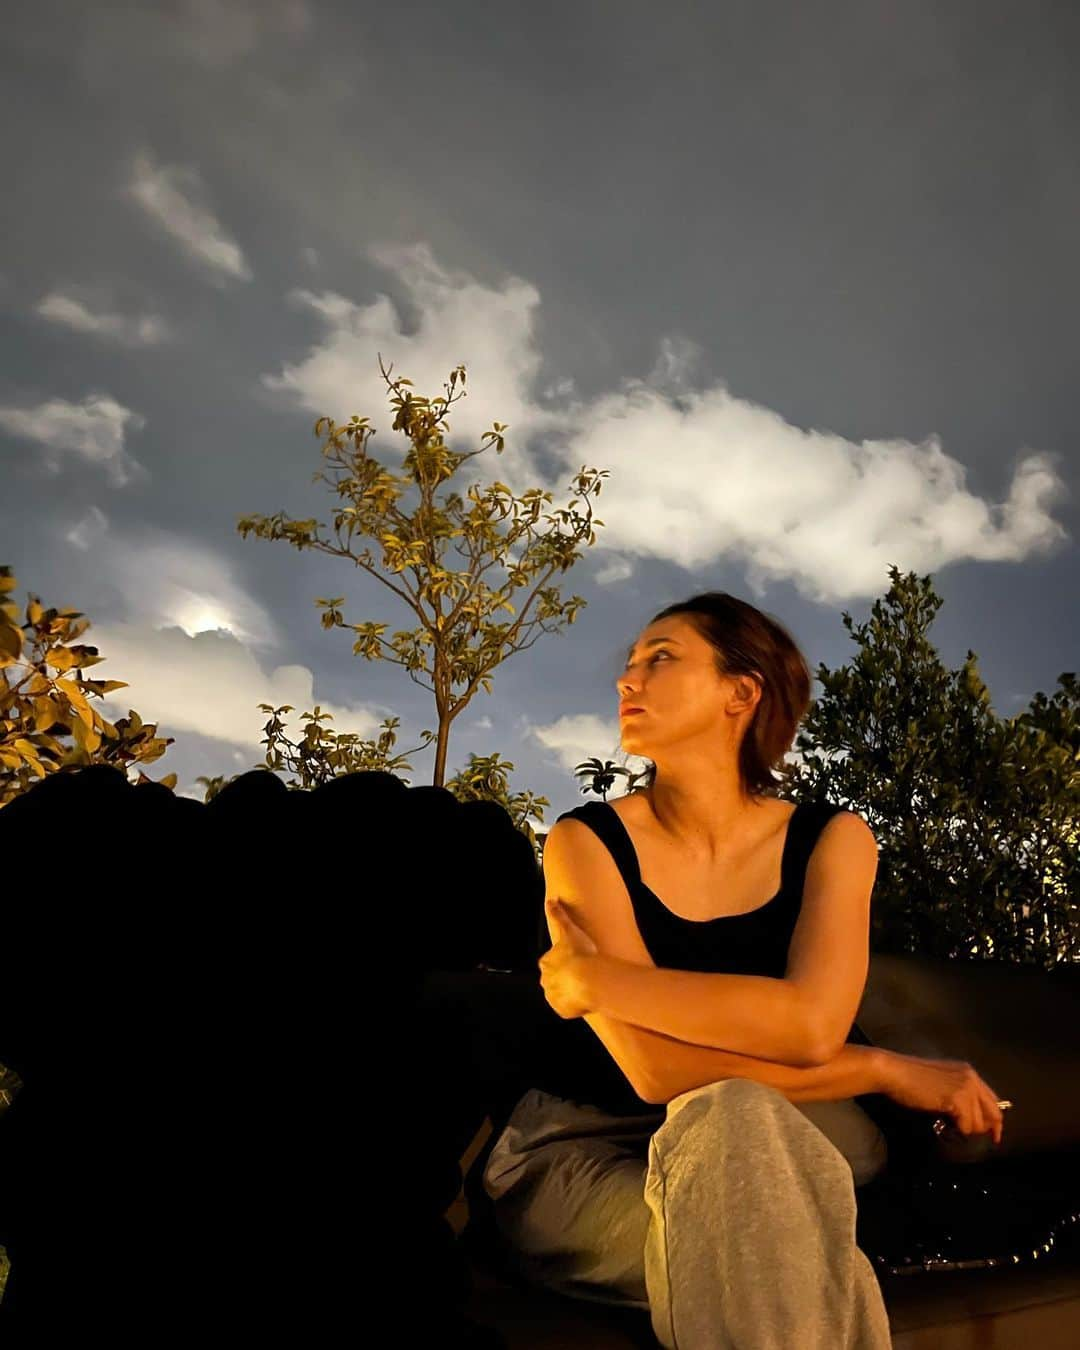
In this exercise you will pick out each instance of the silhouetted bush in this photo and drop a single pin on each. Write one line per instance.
(213, 1010)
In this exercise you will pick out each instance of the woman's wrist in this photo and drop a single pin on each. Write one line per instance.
(593, 969)
(882, 1062)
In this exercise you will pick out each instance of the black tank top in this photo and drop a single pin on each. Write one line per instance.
(753, 943)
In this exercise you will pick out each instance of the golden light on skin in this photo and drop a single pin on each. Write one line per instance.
(655, 643)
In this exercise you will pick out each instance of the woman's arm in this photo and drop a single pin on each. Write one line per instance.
(678, 1066)
(801, 1018)
(741, 1014)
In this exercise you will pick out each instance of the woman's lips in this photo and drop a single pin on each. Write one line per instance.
(631, 712)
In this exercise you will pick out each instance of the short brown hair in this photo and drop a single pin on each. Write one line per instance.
(747, 641)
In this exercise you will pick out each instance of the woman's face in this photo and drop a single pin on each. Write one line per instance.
(686, 701)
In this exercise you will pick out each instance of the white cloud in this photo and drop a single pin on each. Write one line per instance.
(726, 477)
(216, 33)
(576, 737)
(194, 647)
(144, 330)
(164, 580)
(86, 532)
(562, 388)
(615, 569)
(697, 476)
(173, 196)
(209, 683)
(94, 429)
(489, 329)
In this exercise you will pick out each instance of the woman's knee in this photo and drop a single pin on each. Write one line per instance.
(725, 1093)
(743, 1115)
(853, 1133)
(725, 1109)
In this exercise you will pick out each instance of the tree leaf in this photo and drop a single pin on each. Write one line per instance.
(86, 737)
(11, 642)
(60, 658)
(46, 712)
(78, 700)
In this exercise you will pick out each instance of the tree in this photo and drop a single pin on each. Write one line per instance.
(456, 608)
(599, 776)
(323, 754)
(484, 778)
(975, 815)
(45, 701)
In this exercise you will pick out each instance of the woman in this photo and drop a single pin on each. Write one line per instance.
(728, 1209)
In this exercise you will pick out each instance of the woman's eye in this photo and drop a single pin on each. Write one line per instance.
(651, 659)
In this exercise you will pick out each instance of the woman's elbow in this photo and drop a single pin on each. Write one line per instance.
(820, 1050)
(645, 1086)
(651, 1095)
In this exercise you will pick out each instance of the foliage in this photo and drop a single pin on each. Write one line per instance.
(599, 776)
(323, 753)
(47, 724)
(457, 609)
(213, 785)
(976, 816)
(484, 779)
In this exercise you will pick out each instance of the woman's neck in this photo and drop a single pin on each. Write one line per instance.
(704, 820)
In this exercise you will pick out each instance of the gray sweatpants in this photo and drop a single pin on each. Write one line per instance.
(729, 1214)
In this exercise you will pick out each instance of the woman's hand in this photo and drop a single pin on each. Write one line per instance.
(948, 1087)
(564, 969)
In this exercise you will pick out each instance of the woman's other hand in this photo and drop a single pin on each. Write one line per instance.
(564, 969)
(949, 1087)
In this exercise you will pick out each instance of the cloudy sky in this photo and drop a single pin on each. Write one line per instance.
(802, 278)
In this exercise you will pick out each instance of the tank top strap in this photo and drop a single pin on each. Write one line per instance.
(805, 827)
(604, 821)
